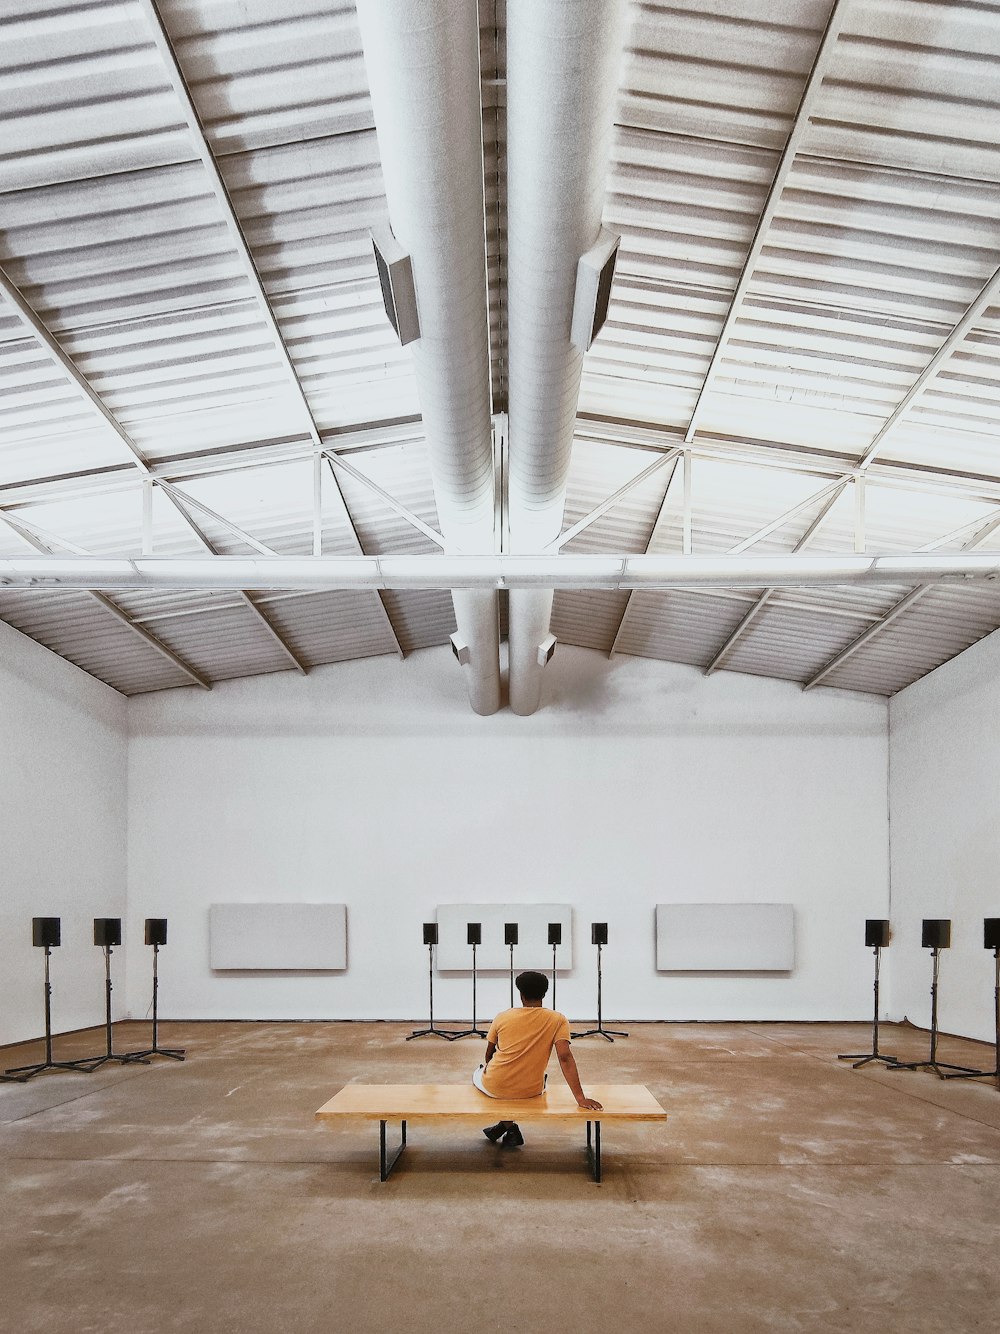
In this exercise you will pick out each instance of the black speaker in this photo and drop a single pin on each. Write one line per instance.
(936, 933)
(991, 933)
(45, 931)
(430, 933)
(877, 932)
(510, 933)
(598, 933)
(555, 933)
(474, 934)
(156, 930)
(107, 931)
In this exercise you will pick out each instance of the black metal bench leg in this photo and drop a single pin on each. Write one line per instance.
(594, 1151)
(385, 1164)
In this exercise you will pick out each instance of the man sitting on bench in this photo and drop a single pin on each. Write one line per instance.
(518, 1047)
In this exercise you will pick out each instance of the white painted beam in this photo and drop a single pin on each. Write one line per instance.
(204, 153)
(645, 437)
(494, 571)
(810, 93)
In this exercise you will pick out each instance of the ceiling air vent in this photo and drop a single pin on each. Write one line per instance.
(396, 277)
(594, 275)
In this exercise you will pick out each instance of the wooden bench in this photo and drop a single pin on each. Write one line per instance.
(464, 1102)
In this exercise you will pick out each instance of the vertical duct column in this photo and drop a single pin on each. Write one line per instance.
(422, 58)
(563, 62)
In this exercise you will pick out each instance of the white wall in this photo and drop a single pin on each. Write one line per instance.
(62, 832)
(639, 782)
(945, 836)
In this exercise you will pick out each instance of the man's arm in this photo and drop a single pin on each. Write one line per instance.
(567, 1064)
(490, 1052)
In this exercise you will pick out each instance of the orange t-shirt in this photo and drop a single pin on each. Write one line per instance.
(524, 1039)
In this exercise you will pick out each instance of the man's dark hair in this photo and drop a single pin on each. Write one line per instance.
(532, 986)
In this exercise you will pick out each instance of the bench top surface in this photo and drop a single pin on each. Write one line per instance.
(412, 1102)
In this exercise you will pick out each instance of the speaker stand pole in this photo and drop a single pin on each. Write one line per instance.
(862, 1058)
(600, 1031)
(109, 1054)
(472, 1032)
(553, 977)
(995, 1072)
(932, 1063)
(431, 1032)
(173, 1053)
(22, 1073)
(512, 977)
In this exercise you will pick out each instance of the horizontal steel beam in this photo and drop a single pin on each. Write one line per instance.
(491, 571)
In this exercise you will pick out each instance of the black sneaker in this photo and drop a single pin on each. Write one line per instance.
(513, 1139)
(493, 1133)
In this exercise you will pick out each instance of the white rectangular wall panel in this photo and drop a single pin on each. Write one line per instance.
(278, 936)
(725, 937)
(454, 953)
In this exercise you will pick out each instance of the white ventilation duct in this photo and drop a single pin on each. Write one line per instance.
(563, 60)
(422, 58)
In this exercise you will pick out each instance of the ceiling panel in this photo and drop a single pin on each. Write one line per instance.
(331, 626)
(884, 232)
(78, 628)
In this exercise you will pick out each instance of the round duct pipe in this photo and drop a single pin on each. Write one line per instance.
(563, 60)
(422, 58)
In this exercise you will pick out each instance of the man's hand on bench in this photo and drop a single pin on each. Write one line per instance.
(590, 1104)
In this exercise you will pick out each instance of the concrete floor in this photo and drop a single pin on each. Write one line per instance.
(786, 1193)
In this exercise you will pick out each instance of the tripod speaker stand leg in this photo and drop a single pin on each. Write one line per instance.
(171, 1053)
(609, 1034)
(932, 1062)
(109, 1054)
(474, 1031)
(22, 1073)
(431, 1032)
(863, 1058)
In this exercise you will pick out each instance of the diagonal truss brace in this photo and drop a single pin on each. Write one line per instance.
(47, 544)
(765, 597)
(986, 298)
(985, 531)
(658, 525)
(136, 457)
(346, 515)
(828, 493)
(183, 501)
(814, 83)
(414, 520)
(611, 501)
(218, 185)
(242, 247)
(175, 499)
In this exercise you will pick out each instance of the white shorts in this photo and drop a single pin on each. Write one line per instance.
(477, 1079)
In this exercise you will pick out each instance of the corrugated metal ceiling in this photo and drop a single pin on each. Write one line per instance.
(884, 233)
